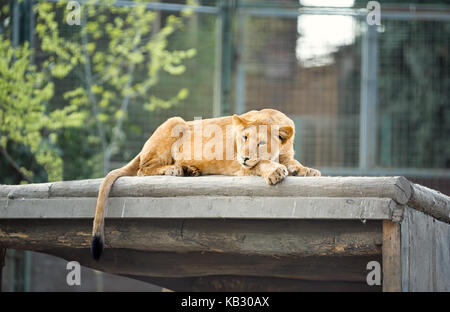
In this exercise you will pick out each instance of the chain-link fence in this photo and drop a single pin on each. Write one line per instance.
(366, 100)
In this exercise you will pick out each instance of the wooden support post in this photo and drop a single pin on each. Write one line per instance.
(2, 264)
(391, 252)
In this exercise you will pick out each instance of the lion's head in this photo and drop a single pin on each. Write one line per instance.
(258, 140)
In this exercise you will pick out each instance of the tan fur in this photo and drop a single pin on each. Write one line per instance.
(156, 157)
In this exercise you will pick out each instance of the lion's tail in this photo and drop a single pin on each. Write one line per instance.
(98, 235)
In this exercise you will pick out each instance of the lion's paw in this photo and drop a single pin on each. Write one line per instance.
(277, 175)
(191, 171)
(310, 172)
(174, 171)
(303, 171)
(294, 169)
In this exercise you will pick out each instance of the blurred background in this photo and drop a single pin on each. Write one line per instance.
(83, 87)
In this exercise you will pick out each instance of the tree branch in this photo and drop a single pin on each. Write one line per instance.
(89, 82)
(15, 165)
(126, 100)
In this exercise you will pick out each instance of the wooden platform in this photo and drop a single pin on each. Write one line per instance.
(239, 234)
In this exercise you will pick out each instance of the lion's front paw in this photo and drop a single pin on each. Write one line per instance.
(276, 175)
(174, 171)
(191, 171)
(298, 170)
(294, 169)
(310, 172)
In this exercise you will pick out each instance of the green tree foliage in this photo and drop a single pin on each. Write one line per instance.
(121, 60)
(113, 58)
(24, 117)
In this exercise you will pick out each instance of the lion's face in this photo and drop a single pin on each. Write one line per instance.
(258, 140)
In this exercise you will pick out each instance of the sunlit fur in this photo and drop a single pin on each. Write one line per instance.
(258, 140)
(173, 149)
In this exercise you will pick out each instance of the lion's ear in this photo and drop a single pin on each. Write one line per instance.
(285, 133)
(239, 121)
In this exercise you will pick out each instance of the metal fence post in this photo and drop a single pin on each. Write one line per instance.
(368, 107)
(15, 23)
(240, 66)
(224, 54)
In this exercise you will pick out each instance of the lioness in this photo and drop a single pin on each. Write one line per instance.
(255, 143)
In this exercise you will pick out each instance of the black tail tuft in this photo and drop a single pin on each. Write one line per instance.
(97, 247)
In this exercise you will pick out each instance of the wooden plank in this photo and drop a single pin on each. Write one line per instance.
(391, 250)
(35, 190)
(421, 241)
(442, 255)
(294, 238)
(430, 202)
(2, 264)
(254, 284)
(425, 253)
(405, 248)
(174, 265)
(396, 188)
(203, 207)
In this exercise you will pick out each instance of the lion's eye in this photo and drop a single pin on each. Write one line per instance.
(280, 137)
(245, 138)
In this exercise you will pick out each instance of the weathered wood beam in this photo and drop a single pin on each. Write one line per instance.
(2, 264)
(430, 202)
(174, 265)
(295, 238)
(396, 188)
(242, 207)
(229, 283)
(425, 253)
(392, 260)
